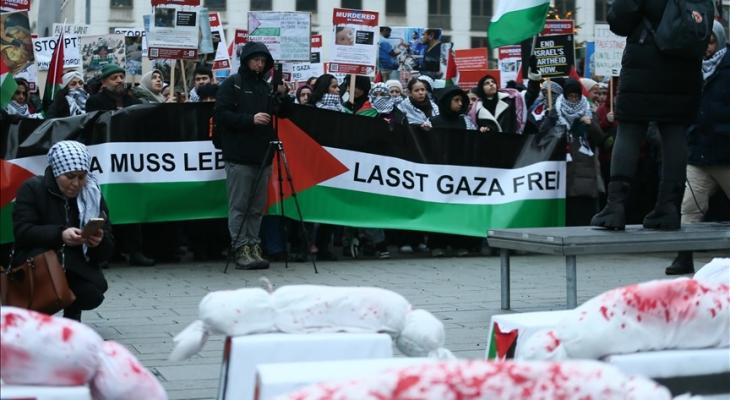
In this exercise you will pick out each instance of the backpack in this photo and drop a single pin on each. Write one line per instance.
(213, 133)
(684, 29)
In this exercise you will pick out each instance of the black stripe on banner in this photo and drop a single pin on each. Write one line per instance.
(437, 146)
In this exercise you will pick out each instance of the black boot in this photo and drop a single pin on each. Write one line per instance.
(666, 212)
(138, 259)
(72, 313)
(613, 215)
(682, 264)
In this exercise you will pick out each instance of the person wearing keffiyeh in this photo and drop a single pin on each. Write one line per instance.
(19, 104)
(50, 213)
(71, 99)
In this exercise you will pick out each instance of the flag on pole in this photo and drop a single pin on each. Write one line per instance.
(516, 20)
(7, 85)
(55, 73)
(452, 73)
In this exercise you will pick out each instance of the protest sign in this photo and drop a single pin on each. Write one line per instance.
(401, 48)
(17, 53)
(285, 34)
(98, 51)
(221, 59)
(353, 50)
(300, 72)
(509, 63)
(240, 38)
(174, 28)
(316, 45)
(14, 5)
(558, 27)
(589, 62)
(205, 42)
(472, 65)
(30, 74)
(135, 49)
(71, 29)
(609, 49)
(43, 50)
(555, 55)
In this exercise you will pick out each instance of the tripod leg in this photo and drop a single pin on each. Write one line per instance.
(284, 161)
(280, 180)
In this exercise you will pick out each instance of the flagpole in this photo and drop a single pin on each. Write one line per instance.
(58, 43)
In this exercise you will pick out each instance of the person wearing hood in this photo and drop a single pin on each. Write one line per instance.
(453, 104)
(243, 112)
(708, 139)
(360, 105)
(495, 111)
(20, 104)
(381, 100)
(149, 89)
(71, 99)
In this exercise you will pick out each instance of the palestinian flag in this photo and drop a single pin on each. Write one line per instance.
(355, 171)
(153, 162)
(7, 85)
(516, 20)
(55, 73)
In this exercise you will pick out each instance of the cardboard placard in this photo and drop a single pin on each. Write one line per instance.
(14, 5)
(509, 63)
(43, 51)
(354, 46)
(472, 66)
(609, 49)
(221, 60)
(174, 30)
(135, 42)
(98, 51)
(239, 39)
(558, 27)
(71, 29)
(555, 55)
(285, 34)
(17, 54)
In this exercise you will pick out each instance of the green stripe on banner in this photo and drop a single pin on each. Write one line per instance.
(6, 224)
(150, 202)
(492, 355)
(346, 207)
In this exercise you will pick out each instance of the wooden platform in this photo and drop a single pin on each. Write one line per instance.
(583, 240)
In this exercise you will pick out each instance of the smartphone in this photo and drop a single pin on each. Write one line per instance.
(92, 226)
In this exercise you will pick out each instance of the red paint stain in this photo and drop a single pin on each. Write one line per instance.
(66, 333)
(11, 320)
(71, 378)
(136, 368)
(604, 312)
(403, 385)
(554, 342)
(11, 356)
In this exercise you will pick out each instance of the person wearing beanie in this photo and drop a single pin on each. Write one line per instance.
(594, 92)
(395, 89)
(655, 88)
(708, 138)
(243, 111)
(113, 94)
(71, 99)
(50, 213)
(494, 111)
(149, 89)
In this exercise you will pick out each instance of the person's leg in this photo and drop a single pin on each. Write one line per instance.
(252, 223)
(666, 213)
(238, 184)
(623, 167)
(89, 295)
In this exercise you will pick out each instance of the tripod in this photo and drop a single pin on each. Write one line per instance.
(275, 147)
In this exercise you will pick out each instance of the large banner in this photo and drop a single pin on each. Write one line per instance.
(354, 49)
(154, 162)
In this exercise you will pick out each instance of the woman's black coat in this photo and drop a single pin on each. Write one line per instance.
(653, 86)
(41, 213)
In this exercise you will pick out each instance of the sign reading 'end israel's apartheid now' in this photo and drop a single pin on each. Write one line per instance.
(555, 55)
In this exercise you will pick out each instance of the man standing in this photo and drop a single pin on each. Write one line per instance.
(431, 65)
(113, 94)
(387, 61)
(201, 76)
(243, 118)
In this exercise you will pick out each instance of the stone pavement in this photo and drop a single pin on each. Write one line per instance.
(146, 307)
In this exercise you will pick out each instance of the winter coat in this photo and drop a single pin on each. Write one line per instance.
(106, 101)
(709, 137)
(41, 214)
(242, 141)
(449, 119)
(653, 86)
(59, 106)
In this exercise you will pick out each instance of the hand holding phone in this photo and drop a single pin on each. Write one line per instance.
(92, 227)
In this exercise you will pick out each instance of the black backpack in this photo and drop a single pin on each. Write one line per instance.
(213, 133)
(684, 29)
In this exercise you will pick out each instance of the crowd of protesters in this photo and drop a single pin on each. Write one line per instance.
(582, 111)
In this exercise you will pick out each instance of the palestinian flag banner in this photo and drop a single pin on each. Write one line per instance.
(155, 162)
(349, 170)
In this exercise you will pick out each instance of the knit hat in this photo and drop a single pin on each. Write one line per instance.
(572, 86)
(67, 156)
(428, 80)
(69, 76)
(111, 69)
(720, 34)
(394, 83)
(588, 83)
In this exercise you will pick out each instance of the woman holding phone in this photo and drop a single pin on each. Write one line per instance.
(52, 212)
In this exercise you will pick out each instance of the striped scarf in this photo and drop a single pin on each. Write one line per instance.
(413, 114)
(568, 111)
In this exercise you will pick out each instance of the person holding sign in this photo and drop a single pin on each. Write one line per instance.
(52, 211)
(655, 86)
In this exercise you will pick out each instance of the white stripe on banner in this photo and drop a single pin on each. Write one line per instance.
(391, 176)
(146, 162)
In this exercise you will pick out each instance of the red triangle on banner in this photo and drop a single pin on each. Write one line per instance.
(309, 163)
(504, 341)
(11, 177)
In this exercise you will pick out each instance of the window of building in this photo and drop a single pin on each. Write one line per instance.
(601, 10)
(121, 3)
(307, 5)
(260, 5)
(481, 14)
(565, 8)
(439, 14)
(395, 7)
(355, 4)
(215, 4)
(478, 42)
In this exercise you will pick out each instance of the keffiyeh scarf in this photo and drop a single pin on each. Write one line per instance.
(330, 101)
(77, 101)
(710, 65)
(413, 114)
(568, 111)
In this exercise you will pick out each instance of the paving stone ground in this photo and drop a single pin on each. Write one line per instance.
(146, 307)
